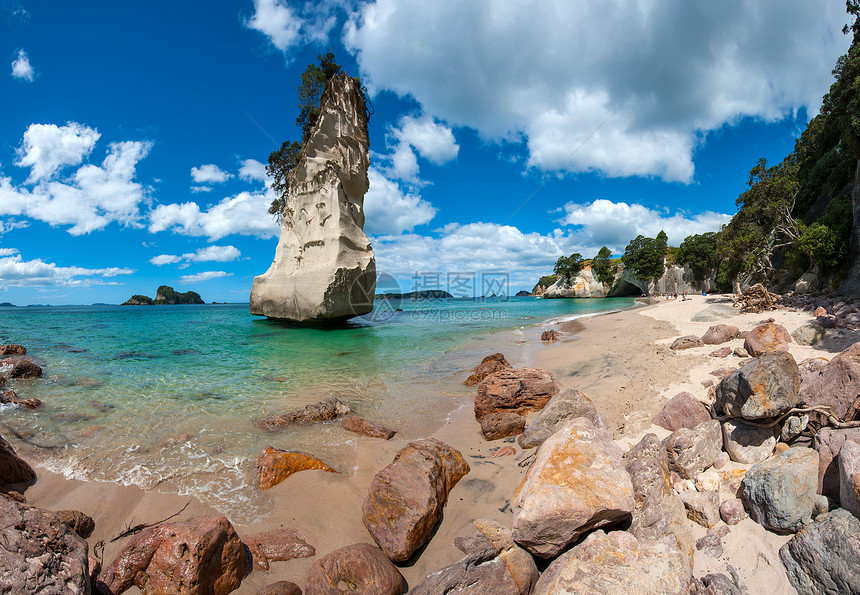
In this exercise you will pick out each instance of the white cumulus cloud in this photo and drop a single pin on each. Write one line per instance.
(21, 67)
(17, 272)
(286, 27)
(252, 171)
(46, 148)
(209, 174)
(204, 276)
(244, 214)
(624, 89)
(388, 210)
(414, 137)
(163, 259)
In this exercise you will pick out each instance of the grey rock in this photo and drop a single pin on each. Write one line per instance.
(702, 507)
(821, 504)
(325, 410)
(717, 584)
(715, 313)
(824, 558)
(617, 564)
(808, 334)
(793, 426)
(567, 404)
(746, 443)
(324, 269)
(828, 442)
(692, 451)
(711, 544)
(765, 387)
(780, 492)
(849, 477)
(741, 352)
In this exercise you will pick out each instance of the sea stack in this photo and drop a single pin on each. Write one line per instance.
(324, 270)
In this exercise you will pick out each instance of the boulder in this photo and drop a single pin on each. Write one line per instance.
(494, 565)
(17, 367)
(550, 336)
(688, 342)
(617, 564)
(720, 333)
(568, 404)
(836, 385)
(702, 507)
(11, 397)
(13, 350)
(275, 465)
(780, 492)
(793, 426)
(824, 558)
(715, 313)
(828, 442)
(280, 588)
(324, 269)
(361, 569)
(717, 584)
(732, 511)
(489, 365)
(357, 425)
(741, 352)
(13, 469)
(767, 338)
(496, 426)
(405, 501)
(77, 521)
(325, 410)
(849, 477)
(810, 367)
(808, 334)
(746, 443)
(711, 543)
(721, 352)
(576, 483)
(277, 545)
(682, 411)
(657, 511)
(201, 555)
(767, 386)
(819, 311)
(39, 553)
(521, 391)
(691, 451)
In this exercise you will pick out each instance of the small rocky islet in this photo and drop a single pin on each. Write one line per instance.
(774, 439)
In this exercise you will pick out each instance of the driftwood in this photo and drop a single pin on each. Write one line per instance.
(138, 528)
(757, 299)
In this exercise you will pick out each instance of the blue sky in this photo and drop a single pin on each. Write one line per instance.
(504, 134)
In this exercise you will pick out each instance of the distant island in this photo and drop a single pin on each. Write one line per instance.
(430, 294)
(165, 295)
(6, 305)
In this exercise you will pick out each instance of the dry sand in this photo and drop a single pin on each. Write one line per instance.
(622, 361)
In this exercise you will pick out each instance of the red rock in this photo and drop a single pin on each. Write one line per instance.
(200, 556)
(835, 385)
(518, 391)
(359, 569)
(357, 425)
(13, 350)
(489, 365)
(765, 338)
(819, 311)
(275, 465)
(682, 411)
(722, 352)
(276, 546)
(13, 469)
(496, 426)
(505, 451)
(17, 367)
(828, 442)
(550, 336)
(720, 333)
(720, 372)
(280, 588)
(77, 521)
(10, 396)
(732, 511)
(688, 342)
(405, 501)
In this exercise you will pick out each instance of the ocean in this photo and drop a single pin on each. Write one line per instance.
(168, 397)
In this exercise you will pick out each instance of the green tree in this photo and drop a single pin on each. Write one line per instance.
(644, 256)
(568, 267)
(604, 271)
(699, 252)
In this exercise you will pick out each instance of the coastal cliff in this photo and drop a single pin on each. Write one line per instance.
(675, 279)
(324, 269)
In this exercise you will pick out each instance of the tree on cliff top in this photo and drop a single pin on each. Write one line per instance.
(644, 256)
(568, 267)
(603, 270)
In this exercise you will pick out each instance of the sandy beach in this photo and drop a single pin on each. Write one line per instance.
(622, 361)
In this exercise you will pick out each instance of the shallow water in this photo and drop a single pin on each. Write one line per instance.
(170, 395)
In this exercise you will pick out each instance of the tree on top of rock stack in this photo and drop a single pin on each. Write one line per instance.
(324, 270)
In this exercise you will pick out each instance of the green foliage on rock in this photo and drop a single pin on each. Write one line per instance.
(547, 280)
(699, 252)
(602, 268)
(166, 295)
(645, 257)
(568, 267)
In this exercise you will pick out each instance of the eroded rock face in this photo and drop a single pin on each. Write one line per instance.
(200, 556)
(766, 387)
(520, 391)
(836, 385)
(617, 564)
(570, 403)
(324, 269)
(576, 483)
(405, 501)
(39, 553)
(361, 569)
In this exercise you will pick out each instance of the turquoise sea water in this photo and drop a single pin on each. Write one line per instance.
(160, 396)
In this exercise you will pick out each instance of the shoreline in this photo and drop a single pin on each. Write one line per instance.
(621, 360)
